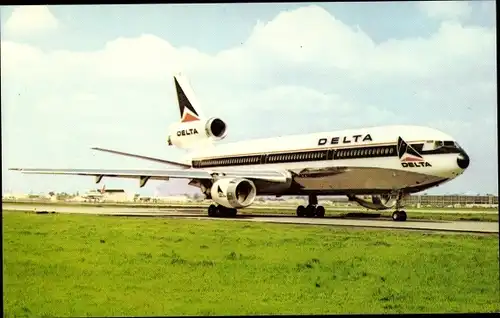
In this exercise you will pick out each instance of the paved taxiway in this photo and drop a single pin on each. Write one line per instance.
(198, 213)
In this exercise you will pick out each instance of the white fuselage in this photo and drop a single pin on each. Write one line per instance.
(366, 160)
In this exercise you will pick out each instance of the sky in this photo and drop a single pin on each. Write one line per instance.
(75, 77)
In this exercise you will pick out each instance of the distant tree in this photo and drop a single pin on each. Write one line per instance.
(51, 193)
(62, 196)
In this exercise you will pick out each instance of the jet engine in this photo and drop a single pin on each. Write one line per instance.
(216, 128)
(193, 133)
(375, 202)
(233, 193)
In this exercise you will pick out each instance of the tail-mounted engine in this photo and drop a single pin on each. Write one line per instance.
(233, 193)
(192, 133)
(216, 128)
(375, 202)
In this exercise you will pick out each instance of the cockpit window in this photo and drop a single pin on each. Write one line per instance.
(436, 144)
(440, 146)
(430, 145)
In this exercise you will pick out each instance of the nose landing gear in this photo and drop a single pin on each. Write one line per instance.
(312, 209)
(399, 215)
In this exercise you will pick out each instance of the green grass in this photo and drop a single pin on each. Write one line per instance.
(78, 265)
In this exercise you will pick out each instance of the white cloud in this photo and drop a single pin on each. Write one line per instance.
(301, 35)
(303, 71)
(29, 20)
(445, 10)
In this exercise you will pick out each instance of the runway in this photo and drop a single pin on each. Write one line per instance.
(200, 214)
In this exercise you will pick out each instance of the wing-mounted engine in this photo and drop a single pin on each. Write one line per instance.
(375, 202)
(233, 193)
(195, 133)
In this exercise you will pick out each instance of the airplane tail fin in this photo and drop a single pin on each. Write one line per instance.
(188, 105)
(194, 130)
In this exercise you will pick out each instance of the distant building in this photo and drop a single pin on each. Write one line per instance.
(173, 198)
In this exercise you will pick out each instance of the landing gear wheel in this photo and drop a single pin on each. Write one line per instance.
(399, 216)
(212, 210)
(395, 216)
(301, 211)
(320, 211)
(222, 211)
(310, 211)
(232, 212)
(402, 214)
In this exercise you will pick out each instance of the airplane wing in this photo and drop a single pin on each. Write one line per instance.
(145, 175)
(116, 152)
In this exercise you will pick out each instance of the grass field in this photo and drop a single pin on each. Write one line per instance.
(78, 265)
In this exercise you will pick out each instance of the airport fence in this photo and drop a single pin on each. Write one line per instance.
(452, 200)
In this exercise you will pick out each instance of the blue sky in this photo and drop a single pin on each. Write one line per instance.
(74, 77)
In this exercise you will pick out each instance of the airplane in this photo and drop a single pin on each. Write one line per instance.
(385, 163)
(95, 195)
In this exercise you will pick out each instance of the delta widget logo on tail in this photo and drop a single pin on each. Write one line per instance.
(409, 157)
(188, 113)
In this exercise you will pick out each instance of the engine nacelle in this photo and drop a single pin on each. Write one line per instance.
(233, 193)
(216, 128)
(375, 202)
(194, 133)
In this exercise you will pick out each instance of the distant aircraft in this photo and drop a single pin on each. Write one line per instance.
(387, 163)
(95, 194)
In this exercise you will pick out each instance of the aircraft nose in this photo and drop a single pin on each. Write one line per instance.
(463, 160)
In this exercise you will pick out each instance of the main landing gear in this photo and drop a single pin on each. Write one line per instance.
(221, 211)
(399, 215)
(312, 209)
